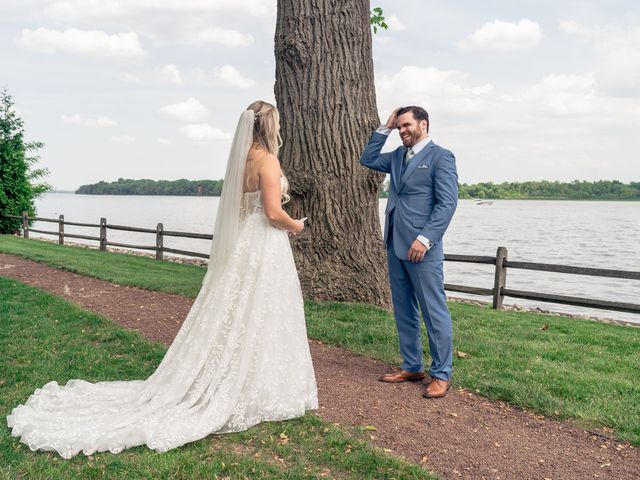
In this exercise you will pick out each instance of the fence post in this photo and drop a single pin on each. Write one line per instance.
(25, 224)
(61, 230)
(159, 242)
(103, 234)
(500, 277)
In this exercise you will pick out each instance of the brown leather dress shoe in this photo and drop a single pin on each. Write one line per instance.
(437, 388)
(402, 376)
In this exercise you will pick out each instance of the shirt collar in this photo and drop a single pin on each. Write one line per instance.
(420, 145)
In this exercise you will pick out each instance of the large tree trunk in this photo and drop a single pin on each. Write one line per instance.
(326, 96)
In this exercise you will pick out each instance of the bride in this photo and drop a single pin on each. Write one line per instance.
(240, 358)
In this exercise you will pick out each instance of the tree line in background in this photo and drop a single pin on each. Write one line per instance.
(576, 190)
(182, 187)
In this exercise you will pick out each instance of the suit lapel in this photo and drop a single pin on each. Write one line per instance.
(415, 161)
(397, 167)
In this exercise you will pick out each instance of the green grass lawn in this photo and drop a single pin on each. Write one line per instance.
(44, 338)
(117, 268)
(558, 366)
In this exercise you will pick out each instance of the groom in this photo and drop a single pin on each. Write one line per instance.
(423, 195)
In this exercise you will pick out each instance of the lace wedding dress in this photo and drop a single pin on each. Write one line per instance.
(240, 358)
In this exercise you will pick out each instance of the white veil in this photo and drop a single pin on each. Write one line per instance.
(225, 233)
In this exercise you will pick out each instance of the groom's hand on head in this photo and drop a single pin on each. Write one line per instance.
(416, 252)
(391, 123)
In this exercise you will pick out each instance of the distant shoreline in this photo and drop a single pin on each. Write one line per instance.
(602, 190)
(381, 197)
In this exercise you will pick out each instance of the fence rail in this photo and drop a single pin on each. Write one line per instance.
(498, 292)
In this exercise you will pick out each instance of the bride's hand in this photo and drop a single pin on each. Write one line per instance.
(298, 227)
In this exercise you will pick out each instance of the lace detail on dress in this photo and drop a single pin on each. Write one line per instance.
(240, 358)
(252, 201)
(251, 204)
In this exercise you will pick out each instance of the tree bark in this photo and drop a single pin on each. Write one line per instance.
(326, 96)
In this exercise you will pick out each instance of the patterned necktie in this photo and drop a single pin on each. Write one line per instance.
(407, 158)
(409, 155)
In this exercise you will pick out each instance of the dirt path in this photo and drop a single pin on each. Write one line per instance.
(460, 436)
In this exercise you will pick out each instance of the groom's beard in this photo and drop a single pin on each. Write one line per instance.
(412, 138)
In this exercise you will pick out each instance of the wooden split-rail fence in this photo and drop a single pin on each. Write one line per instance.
(501, 262)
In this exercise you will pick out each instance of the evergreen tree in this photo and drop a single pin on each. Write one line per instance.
(18, 180)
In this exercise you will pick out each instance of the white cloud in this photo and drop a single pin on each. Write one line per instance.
(617, 51)
(203, 133)
(563, 95)
(100, 121)
(618, 62)
(558, 127)
(395, 24)
(228, 38)
(434, 87)
(79, 10)
(190, 110)
(557, 104)
(575, 28)
(230, 75)
(132, 79)
(171, 74)
(164, 141)
(82, 42)
(504, 36)
(122, 139)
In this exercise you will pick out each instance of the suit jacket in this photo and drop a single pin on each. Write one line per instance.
(421, 201)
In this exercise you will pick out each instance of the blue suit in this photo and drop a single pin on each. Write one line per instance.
(423, 196)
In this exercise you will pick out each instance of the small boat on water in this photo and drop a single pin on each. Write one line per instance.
(483, 202)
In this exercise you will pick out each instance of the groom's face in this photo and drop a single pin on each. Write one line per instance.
(411, 131)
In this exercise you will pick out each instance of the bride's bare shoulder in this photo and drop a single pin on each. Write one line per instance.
(266, 162)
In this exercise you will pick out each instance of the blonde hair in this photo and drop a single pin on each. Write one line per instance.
(266, 126)
(266, 133)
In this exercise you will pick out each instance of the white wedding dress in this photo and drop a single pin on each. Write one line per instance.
(240, 358)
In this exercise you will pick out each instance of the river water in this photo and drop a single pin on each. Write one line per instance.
(580, 233)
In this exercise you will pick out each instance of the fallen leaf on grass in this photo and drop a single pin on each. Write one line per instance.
(460, 354)
(545, 326)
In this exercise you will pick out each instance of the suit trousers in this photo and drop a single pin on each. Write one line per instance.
(419, 287)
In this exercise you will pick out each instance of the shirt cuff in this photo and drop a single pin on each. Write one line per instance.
(384, 130)
(425, 241)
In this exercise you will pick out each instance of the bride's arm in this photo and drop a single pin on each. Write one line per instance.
(269, 175)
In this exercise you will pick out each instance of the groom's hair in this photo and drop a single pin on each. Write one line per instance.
(419, 113)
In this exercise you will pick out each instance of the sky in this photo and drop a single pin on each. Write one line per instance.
(526, 90)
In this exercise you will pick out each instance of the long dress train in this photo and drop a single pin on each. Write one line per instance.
(240, 358)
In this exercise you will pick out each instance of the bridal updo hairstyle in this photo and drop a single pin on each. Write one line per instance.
(266, 128)
(266, 133)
